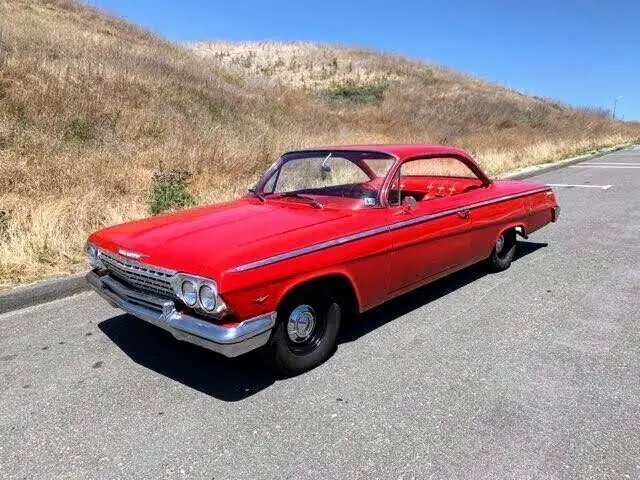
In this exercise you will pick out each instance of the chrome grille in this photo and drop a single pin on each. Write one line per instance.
(138, 275)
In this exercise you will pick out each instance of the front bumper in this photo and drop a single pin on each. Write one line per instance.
(229, 341)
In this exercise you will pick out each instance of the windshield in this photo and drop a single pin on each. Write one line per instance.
(333, 173)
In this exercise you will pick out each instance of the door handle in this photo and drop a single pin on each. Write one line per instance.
(464, 213)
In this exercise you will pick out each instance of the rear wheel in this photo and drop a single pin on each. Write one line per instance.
(307, 330)
(503, 252)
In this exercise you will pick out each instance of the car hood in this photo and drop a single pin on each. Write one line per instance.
(201, 239)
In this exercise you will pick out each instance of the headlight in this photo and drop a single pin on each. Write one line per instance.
(189, 291)
(208, 297)
(92, 256)
(199, 293)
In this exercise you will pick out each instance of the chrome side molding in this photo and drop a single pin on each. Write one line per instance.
(379, 230)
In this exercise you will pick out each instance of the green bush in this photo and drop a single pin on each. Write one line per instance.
(358, 93)
(170, 192)
(4, 225)
(80, 130)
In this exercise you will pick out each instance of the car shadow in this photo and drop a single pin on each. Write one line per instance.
(234, 379)
(228, 379)
(415, 299)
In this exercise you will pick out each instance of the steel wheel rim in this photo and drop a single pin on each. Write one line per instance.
(301, 324)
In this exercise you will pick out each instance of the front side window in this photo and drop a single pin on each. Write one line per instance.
(432, 177)
(437, 167)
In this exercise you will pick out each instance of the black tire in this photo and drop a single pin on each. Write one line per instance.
(292, 354)
(503, 252)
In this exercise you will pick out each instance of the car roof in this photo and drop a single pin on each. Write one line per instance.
(401, 151)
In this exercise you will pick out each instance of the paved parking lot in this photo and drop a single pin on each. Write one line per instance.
(529, 373)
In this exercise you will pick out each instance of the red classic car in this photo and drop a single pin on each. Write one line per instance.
(324, 234)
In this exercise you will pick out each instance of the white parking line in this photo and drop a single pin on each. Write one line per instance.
(633, 164)
(566, 185)
(587, 165)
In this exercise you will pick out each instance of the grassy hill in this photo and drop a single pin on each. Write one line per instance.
(91, 107)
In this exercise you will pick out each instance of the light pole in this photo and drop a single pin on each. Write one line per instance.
(615, 104)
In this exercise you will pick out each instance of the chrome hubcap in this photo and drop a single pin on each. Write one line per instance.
(500, 244)
(301, 323)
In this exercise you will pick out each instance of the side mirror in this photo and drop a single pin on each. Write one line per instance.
(409, 203)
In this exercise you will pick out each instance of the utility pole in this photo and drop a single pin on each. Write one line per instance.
(615, 104)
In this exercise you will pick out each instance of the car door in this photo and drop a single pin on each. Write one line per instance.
(433, 237)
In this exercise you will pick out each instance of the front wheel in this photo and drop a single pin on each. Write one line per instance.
(306, 333)
(503, 252)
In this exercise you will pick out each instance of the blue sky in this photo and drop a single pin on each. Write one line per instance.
(581, 52)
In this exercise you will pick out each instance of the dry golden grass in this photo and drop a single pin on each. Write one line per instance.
(91, 106)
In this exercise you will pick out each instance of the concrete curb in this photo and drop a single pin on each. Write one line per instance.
(47, 290)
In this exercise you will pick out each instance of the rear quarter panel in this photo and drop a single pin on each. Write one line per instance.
(529, 211)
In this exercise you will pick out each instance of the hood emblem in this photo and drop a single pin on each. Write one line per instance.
(130, 254)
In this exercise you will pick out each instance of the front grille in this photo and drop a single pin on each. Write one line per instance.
(143, 277)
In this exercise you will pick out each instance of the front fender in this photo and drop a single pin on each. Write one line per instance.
(266, 297)
(342, 273)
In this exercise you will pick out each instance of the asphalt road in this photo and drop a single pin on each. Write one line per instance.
(529, 373)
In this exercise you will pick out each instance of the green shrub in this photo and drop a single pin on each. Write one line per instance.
(4, 225)
(170, 192)
(358, 93)
(80, 130)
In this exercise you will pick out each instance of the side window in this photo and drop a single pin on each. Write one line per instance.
(437, 167)
(431, 177)
(270, 185)
(379, 166)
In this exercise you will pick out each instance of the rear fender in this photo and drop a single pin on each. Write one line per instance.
(519, 227)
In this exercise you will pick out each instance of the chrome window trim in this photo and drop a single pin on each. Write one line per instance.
(379, 230)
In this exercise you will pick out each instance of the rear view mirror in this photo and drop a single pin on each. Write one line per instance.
(325, 170)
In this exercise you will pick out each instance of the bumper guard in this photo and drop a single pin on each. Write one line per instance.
(228, 341)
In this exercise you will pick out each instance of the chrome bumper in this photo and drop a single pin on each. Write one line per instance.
(229, 341)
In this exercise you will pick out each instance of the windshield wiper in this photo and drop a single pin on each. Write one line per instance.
(308, 198)
(257, 195)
